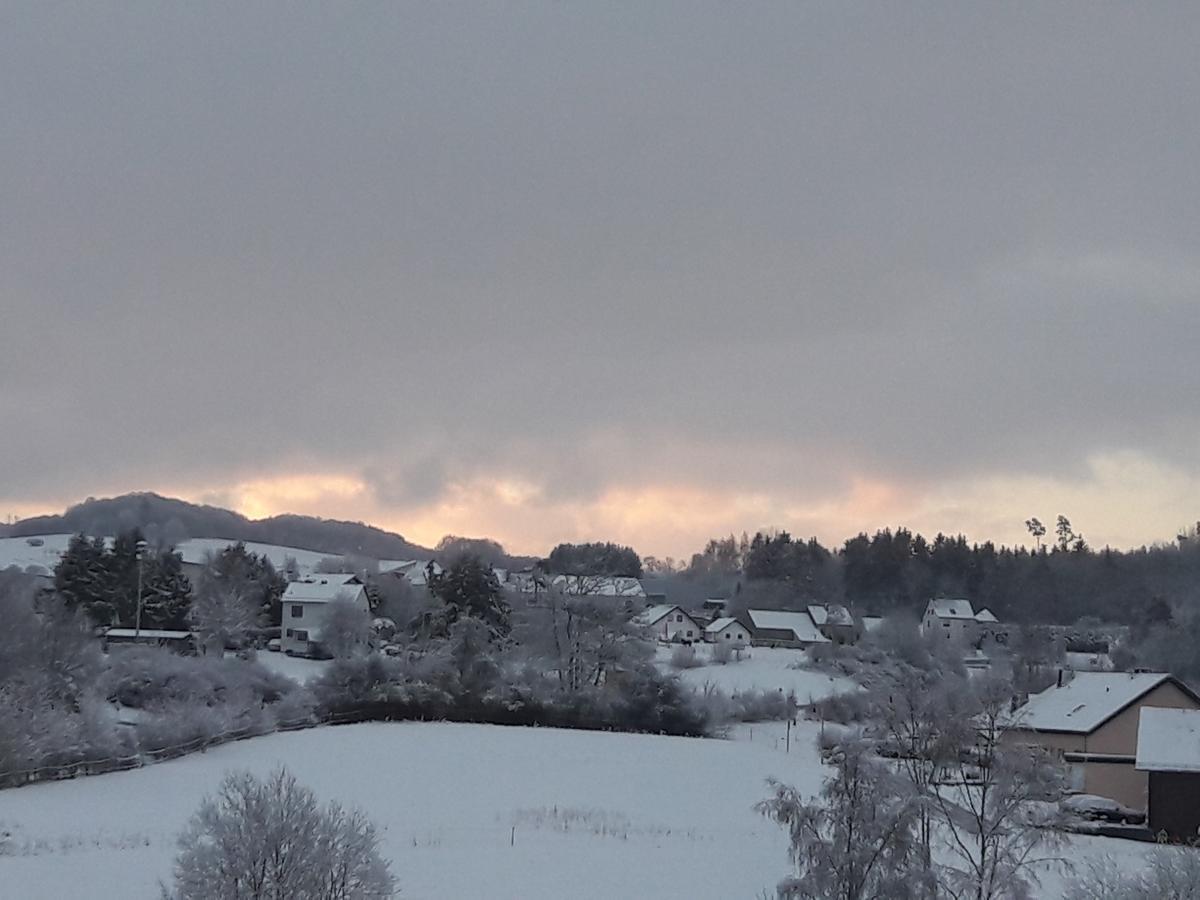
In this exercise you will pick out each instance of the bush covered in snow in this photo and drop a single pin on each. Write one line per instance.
(187, 699)
(464, 679)
(843, 709)
(271, 839)
(64, 701)
(685, 657)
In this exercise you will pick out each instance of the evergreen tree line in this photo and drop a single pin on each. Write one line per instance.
(1058, 582)
(110, 580)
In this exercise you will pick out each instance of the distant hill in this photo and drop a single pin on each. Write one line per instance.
(170, 520)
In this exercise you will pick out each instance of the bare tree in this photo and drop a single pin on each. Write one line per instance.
(987, 800)
(917, 711)
(582, 638)
(270, 840)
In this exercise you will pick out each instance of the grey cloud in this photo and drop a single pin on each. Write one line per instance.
(594, 245)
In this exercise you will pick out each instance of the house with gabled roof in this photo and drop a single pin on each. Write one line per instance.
(1091, 721)
(951, 619)
(727, 630)
(783, 628)
(835, 622)
(670, 623)
(305, 605)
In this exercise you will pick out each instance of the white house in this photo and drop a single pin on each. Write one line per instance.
(952, 619)
(729, 631)
(670, 623)
(305, 604)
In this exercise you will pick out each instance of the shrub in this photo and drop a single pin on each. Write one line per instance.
(764, 705)
(843, 709)
(685, 657)
(271, 839)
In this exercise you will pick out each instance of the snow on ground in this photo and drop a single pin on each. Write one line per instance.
(478, 810)
(761, 668)
(596, 815)
(296, 668)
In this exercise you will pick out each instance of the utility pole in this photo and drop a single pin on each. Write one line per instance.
(137, 629)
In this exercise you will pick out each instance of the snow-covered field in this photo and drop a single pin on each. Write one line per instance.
(761, 668)
(472, 810)
(596, 815)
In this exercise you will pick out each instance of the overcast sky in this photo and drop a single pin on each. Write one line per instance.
(627, 271)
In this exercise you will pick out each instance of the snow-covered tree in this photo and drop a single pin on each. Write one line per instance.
(468, 587)
(346, 629)
(1172, 873)
(224, 609)
(857, 842)
(271, 840)
(918, 711)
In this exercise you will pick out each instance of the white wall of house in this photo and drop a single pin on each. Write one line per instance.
(735, 634)
(961, 630)
(301, 623)
(677, 625)
(302, 619)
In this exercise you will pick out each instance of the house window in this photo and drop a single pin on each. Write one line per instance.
(288, 633)
(741, 637)
(300, 635)
(297, 611)
(679, 618)
(689, 634)
(728, 635)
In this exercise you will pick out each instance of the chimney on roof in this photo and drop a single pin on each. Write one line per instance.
(1060, 674)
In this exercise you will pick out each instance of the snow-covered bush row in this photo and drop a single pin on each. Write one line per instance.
(184, 700)
(434, 686)
(844, 709)
(141, 677)
(67, 707)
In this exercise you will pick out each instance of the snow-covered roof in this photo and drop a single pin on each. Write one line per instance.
(952, 609)
(1168, 740)
(985, 615)
(323, 588)
(799, 623)
(1088, 662)
(871, 623)
(839, 615)
(148, 634)
(719, 625)
(820, 615)
(1087, 701)
(654, 614)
